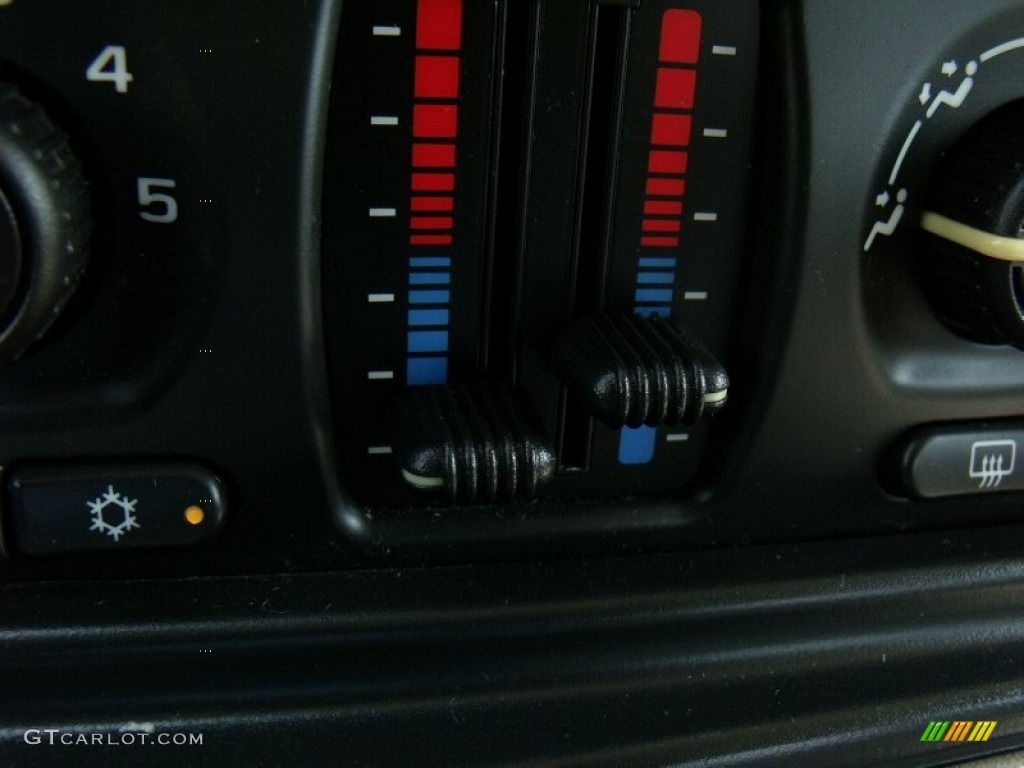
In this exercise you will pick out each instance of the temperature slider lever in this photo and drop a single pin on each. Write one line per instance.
(630, 371)
(475, 444)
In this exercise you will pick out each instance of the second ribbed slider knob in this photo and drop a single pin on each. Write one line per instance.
(629, 370)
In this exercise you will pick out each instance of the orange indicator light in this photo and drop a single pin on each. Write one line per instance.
(194, 515)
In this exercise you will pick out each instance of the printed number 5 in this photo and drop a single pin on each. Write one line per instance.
(155, 200)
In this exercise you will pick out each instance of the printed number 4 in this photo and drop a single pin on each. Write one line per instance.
(163, 208)
(111, 66)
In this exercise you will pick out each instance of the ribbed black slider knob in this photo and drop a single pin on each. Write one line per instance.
(474, 444)
(973, 260)
(45, 221)
(629, 370)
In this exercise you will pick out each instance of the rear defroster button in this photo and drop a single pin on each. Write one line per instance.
(958, 459)
(75, 507)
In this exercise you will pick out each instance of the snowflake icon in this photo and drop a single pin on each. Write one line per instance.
(101, 523)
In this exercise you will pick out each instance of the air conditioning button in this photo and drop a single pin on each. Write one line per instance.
(68, 508)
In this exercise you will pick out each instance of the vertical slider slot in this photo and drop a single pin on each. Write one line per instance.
(512, 102)
(595, 200)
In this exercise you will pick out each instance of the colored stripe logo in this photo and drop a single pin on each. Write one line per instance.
(959, 730)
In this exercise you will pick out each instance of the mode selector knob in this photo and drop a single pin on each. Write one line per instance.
(973, 261)
(45, 221)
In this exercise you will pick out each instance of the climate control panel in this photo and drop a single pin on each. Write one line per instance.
(331, 285)
(493, 210)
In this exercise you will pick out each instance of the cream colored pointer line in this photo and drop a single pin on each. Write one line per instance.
(985, 243)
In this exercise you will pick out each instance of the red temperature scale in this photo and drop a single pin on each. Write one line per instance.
(665, 191)
(684, 189)
(667, 180)
(689, 188)
(406, 193)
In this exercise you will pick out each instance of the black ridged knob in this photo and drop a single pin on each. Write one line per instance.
(973, 261)
(45, 222)
(474, 444)
(630, 371)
